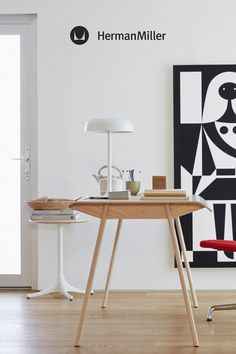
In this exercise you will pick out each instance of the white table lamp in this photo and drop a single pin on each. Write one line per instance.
(109, 126)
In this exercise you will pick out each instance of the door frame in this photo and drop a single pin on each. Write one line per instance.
(31, 21)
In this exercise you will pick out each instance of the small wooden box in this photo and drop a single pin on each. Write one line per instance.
(158, 182)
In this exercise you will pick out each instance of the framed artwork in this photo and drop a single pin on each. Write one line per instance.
(205, 156)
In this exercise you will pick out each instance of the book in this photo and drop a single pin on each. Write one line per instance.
(55, 212)
(119, 195)
(165, 199)
(165, 193)
(37, 217)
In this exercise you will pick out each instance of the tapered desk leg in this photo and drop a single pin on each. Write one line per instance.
(186, 263)
(91, 275)
(106, 292)
(181, 276)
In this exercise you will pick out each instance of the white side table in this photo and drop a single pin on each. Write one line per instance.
(60, 284)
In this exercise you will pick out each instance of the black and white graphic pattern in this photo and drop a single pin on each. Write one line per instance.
(205, 155)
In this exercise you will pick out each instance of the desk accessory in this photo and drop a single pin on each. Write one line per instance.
(109, 126)
(119, 195)
(133, 187)
(98, 197)
(49, 204)
(55, 215)
(117, 181)
(158, 182)
(130, 175)
(164, 194)
(165, 199)
(132, 184)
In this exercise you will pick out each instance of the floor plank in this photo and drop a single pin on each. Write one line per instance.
(151, 322)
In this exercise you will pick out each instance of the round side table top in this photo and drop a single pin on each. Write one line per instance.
(58, 222)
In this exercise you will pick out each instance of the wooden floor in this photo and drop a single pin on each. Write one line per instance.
(132, 323)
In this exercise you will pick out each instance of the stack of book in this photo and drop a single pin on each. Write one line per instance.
(165, 194)
(54, 215)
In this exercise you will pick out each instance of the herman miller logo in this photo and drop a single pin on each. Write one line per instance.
(79, 35)
(134, 36)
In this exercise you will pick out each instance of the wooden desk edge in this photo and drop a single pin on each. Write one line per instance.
(195, 200)
(138, 209)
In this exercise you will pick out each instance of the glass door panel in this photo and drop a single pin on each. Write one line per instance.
(10, 206)
(17, 139)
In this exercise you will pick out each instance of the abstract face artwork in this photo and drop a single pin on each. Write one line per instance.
(205, 156)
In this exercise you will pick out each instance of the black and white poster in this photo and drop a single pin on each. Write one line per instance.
(205, 156)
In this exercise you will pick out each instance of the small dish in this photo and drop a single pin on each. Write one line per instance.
(49, 204)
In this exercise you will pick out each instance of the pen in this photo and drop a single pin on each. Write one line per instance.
(131, 172)
(130, 175)
(98, 197)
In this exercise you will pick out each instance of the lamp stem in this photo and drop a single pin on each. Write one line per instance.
(109, 163)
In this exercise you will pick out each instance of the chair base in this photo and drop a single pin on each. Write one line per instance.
(219, 308)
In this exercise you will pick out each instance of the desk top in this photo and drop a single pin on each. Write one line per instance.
(139, 209)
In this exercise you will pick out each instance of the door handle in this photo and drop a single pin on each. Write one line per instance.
(26, 160)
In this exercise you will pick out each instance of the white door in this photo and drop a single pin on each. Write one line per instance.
(17, 146)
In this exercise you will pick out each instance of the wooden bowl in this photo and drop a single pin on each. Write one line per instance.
(49, 204)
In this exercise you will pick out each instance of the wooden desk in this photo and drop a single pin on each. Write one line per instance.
(141, 209)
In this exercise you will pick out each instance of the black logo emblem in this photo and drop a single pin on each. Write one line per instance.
(79, 35)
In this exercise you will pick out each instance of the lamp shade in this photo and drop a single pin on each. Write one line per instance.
(104, 125)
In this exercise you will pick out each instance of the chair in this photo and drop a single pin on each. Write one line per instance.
(219, 245)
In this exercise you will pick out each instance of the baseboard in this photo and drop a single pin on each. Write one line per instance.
(15, 288)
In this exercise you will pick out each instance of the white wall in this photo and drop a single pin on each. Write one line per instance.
(130, 80)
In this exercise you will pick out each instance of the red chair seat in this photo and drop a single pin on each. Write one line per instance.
(220, 245)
